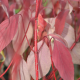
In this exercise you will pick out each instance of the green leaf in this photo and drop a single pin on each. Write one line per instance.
(17, 10)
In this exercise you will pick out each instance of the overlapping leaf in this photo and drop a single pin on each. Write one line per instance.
(20, 69)
(22, 27)
(59, 38)
(44, 61)
(41, 26)
(60, 21)
(63, 61)
(68, 34)
(51, 21)
(7, 31)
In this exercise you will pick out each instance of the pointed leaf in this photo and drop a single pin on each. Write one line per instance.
(41, 22)
(67, 34)
(60, 21)
(63, 61)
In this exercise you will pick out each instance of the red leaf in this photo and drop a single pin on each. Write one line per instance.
(5, 6)
(7, 31)
(60, 21)
(5, 2)
(40, 28)
(41, 22)
(63, 61)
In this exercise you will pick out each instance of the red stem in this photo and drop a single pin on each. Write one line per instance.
(0, 73)
(6, 69)
(35, 38)
(2, 78)
(51, 74)
(52, 61)
(75, 30)
(36, 56)
(51, 58)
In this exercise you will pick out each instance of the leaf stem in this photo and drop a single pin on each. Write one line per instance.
(51, 59)
(35, 38)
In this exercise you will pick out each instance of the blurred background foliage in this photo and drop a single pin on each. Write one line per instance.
(76, 67)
